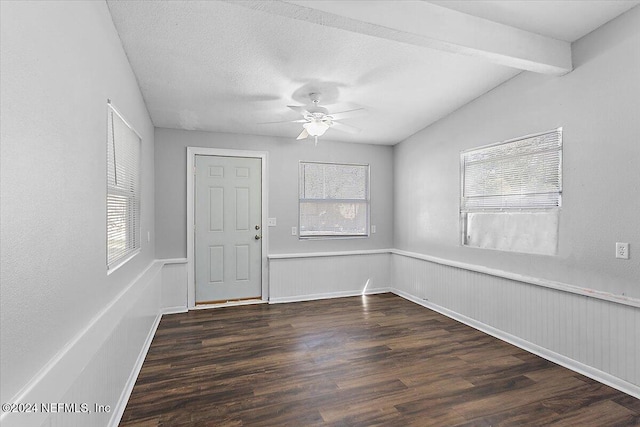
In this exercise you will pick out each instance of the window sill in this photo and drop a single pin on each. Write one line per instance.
(123, 261)
(332, 237)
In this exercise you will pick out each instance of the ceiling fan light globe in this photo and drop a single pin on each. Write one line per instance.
(316, 128)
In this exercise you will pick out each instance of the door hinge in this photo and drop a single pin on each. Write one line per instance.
(194, 170)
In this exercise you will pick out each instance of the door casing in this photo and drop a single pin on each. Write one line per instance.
(191, 157)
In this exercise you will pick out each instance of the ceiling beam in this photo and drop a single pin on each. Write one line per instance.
(424, 24)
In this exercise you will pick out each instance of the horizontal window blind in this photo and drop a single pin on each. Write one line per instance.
(334, 199)
(520, 174)
(123, 190)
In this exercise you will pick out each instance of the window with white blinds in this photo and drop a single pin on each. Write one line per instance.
(123, 190)
(334, 200)
(524, 173)
(511, 193)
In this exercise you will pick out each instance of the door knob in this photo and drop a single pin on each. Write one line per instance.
(257, 227)
(258, 237)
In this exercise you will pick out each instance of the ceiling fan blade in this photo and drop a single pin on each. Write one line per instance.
(303, 134)
(346, 113)
(345, 128)
(299, 109)
(284, 121)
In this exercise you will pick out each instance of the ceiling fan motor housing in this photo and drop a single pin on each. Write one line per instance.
(316, 108)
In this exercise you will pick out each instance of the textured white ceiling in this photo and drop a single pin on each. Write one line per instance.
(219, 66)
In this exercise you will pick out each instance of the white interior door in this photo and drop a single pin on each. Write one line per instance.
(228, 228)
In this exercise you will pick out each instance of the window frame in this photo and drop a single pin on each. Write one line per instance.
(531, 209)
(133, 237)
(367, 202)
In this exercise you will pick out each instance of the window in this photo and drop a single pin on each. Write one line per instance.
(334, 200)
(511, 193)
(123, 190)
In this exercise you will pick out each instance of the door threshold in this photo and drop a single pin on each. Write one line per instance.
(228, 303)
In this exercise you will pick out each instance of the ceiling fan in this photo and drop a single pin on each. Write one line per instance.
(317, 120)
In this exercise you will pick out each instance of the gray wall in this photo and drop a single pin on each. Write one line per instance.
(598, 106)
(284, 155)
(60, 63)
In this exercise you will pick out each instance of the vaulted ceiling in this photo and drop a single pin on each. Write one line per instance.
(231, 66)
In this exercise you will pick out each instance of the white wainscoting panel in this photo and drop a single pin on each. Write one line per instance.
(327, 275)
(110, 375)
(174, 286)
(596, 337)
(101, 364)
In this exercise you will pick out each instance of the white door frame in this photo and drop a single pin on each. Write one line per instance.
(192, 152)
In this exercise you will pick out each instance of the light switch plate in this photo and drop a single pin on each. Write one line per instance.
(294, 231)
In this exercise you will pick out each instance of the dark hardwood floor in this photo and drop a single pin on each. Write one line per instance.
(360, 361)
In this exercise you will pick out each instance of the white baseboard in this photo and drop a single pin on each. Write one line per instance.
(174, 310)
(545, 353)
(342, 294)
(126, 392)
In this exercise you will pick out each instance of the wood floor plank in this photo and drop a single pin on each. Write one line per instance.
(360, 361)
(607, 413)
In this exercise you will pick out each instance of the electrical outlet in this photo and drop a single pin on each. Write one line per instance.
(373, 229)
(271, 222)
(294, 231)
(622, 250)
